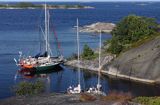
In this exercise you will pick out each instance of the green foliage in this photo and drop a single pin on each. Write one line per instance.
(2, 5)
(25, 4)
(106, 42)
(115, 46)
(130, 30)
(29, 4)
(148, 100)
(28, 88)
(133, 27)
(143, 40)
(72, 6)
(88, 53)
(79, 6)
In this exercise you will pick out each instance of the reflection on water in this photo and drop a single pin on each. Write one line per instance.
(58, 80)
(31, 73)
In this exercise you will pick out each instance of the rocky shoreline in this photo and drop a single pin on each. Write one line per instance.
(63, 99)
(140, 64)
(96, 27)
(92, 66)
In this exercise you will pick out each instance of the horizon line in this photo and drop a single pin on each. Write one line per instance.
(80, 1)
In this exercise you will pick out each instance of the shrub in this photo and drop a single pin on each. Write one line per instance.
(88, 53)
(28, 88)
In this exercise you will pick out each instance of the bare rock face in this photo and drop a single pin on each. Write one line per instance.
(96, 27)
(141, 62)
(93, 64)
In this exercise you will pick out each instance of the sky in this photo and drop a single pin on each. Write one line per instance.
(75, 0)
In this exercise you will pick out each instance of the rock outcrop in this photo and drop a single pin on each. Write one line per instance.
(62, 99)
(92, 65)
(141, 62)
(96, 27)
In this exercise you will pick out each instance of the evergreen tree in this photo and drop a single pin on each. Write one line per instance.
(88, 53)
(129, 30)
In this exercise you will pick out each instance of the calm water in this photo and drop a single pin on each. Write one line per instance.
(19, 32)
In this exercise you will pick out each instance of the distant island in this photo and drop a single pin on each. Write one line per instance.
(28, 5)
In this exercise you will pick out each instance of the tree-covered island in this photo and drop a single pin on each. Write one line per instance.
(29, 5)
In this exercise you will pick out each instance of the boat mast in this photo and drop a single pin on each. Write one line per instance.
(100, 45)
(79, 73)
(48, 45)
(46, 27)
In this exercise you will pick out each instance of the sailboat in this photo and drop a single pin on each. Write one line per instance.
(73, 90)
(41, 62)
(97, 90)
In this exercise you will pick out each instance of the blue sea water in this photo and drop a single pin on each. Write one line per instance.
(19, 32)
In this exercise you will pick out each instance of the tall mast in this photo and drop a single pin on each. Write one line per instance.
(46, 29)
(48, 47)
(100, 45)
(79, 73)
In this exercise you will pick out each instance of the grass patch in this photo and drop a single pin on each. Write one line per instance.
(147, 100)
(143, 40)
